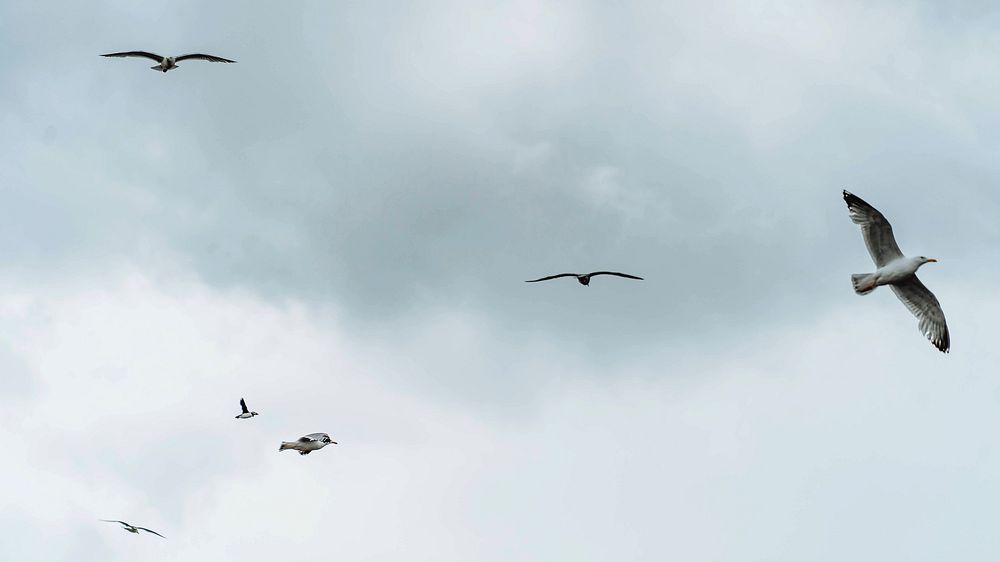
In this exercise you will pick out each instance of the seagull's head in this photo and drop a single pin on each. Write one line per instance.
(326, 439)
(924, 260)
(252, 414)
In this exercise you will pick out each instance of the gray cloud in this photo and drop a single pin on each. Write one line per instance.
(394, 159)
(350, 212)
(738, 451)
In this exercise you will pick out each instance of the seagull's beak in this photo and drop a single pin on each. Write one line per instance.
(931, 260)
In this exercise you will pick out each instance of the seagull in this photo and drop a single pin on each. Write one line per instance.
(133, 528)
(308, 444)
(584, 278)
(246, 413)
(897, 271)
(167, 63)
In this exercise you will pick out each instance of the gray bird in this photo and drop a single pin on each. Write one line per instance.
(308, 443)
(167, 63)
(897, 271)
(584, 278)
(246, 412)
(133, 528)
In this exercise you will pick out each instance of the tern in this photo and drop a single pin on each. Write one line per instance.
(167, 63)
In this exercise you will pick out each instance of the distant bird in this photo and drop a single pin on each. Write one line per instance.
(584, 278)
(133, 528)
(307, 444)
(246, 413)
(167, 63)
(897, 271)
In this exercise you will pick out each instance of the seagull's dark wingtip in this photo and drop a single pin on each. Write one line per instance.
(852, 199)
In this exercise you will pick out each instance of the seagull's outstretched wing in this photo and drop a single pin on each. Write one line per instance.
(925, 306)
(114, 521)
(307, 438)
(615, 273)
(876, 230)
(151, 531)
(200, 56)
(552, 277)
(145, 54)
(243, 405)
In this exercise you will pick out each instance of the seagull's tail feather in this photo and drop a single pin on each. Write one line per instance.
(864, 283)
(285, 445)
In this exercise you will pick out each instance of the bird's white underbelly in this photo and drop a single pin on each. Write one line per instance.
(895, 271)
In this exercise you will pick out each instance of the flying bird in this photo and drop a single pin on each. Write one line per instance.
(584, 278)
(897, 271)
(167, 63)
(246, 413)
(133, 528)
(307, 444)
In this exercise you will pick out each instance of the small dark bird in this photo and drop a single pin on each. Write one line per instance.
(167, 63)
(246, 412)
(133, 528)
(584, 278)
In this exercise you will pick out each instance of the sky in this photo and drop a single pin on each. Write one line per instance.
(338, 228)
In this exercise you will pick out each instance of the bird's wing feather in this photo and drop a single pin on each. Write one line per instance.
(201, 56)
(551, 277)
(876, 230)
(145, 54)
(925, 306)
(114, 521)
(151, 531)
(243, 404)
(305, 439)
(615, 273)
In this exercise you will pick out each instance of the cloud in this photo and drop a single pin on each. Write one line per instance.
(338, 228)
(725, 451)
(467, 150)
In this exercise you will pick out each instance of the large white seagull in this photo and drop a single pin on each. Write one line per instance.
(897, 271)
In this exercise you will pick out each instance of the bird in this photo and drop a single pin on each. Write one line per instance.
(167, 63)
(897, 271)
(584, 278)
(246, 413)
(133, 528)
(307, 444)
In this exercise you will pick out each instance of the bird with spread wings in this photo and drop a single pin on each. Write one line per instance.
(167, 63)
(897, 271)
(133, 528)
(584, 278)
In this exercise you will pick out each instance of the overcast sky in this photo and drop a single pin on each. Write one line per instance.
(338, 228)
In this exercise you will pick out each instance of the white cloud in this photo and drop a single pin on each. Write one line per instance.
(412, 166)
(774, 449)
